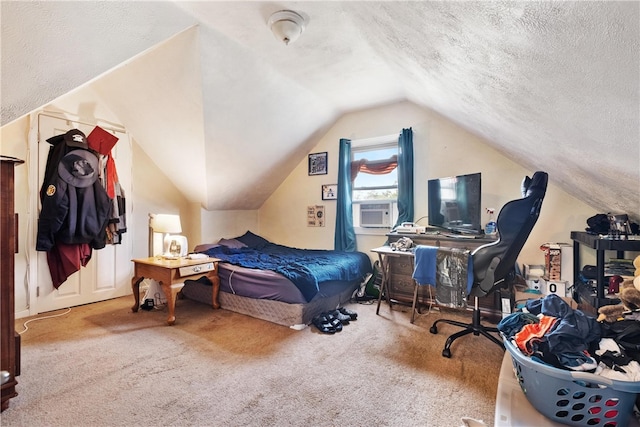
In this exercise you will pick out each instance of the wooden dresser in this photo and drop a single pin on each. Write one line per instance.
(10, 340)
(401, 284)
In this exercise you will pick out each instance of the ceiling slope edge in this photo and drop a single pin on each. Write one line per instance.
(158, 97)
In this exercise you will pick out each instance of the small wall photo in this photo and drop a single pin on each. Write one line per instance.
(330, 192)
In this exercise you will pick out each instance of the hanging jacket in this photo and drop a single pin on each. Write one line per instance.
(75, 206)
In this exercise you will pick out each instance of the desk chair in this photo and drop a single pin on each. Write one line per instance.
(494, 263)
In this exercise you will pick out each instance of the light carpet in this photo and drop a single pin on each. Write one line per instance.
(102, 365)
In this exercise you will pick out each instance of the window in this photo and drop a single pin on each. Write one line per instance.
(374, 163)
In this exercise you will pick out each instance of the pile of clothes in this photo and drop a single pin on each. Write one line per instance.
(83, 203)
(551, 332)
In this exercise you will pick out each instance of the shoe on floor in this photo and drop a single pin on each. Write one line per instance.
(343, 318)
(334, 321)
(352, 314)
(323, 324)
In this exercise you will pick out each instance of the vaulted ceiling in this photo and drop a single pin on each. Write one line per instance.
(553, 85)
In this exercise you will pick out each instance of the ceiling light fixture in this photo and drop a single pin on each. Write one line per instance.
(286, 25)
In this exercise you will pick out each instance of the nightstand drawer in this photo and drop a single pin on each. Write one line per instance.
(195, 269)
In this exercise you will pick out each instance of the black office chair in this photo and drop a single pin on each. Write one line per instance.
(494, 264)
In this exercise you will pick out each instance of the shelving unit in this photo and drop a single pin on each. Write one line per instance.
(600, 245)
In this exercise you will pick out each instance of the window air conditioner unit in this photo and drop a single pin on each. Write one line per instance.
(375, 214)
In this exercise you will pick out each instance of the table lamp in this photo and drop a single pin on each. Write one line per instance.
(166, 224)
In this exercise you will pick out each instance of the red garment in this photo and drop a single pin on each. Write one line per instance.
(112, 176)
(532, 333)
(64, 260)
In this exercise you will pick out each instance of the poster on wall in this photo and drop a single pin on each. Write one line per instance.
(315, 216)
(318, 163)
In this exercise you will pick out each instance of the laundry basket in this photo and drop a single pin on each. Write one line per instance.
(574, 398)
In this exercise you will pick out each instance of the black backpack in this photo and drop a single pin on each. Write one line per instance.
(599, 224)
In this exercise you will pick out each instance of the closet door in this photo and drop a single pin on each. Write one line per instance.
(108, 273)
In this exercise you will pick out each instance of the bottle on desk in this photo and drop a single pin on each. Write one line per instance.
(491, 228)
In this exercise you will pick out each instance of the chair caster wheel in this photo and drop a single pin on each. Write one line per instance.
(433, 329)
(446, 353)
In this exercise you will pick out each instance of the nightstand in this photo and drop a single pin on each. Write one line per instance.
(171, 274)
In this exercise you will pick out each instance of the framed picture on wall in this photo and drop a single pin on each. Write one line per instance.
(330, 192)
(315, 216)
(318, 163)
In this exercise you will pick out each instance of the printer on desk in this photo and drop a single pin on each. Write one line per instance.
(410, 228)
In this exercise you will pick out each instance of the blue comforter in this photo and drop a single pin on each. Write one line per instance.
(304, 267)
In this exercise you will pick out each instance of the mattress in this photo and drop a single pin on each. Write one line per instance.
(259, 284)
(292, 314)
(306, 268)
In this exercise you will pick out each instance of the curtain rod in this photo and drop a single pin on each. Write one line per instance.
(376, 140)
(53, 116)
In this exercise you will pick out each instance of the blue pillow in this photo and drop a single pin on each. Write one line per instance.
(252, 240)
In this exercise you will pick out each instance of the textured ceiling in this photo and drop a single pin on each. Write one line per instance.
(553, 85)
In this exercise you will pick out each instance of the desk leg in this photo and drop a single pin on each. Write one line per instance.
(384, 286)
(413, 305)
(215, 280)
(415, 293)
(170, 292)
(135, 285)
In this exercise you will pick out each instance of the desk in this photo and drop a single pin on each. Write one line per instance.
(400, 282)
(384, 252)
(600, 245)
(171, 274)
(450, 284)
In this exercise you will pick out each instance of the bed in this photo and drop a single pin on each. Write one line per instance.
(284, 285)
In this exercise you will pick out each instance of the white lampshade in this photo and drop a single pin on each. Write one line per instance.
(287, 25)
(165, 223)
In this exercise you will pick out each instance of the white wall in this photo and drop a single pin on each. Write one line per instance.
(441, 148)
(227, 224)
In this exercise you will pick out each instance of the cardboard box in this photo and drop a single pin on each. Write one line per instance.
(522, 297)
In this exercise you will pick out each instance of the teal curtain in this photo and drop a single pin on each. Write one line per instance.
(345, 237)
(405, 177)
